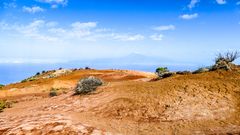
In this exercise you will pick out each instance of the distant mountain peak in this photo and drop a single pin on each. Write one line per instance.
(136, 55)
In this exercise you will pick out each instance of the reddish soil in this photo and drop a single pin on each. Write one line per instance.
(128, 103)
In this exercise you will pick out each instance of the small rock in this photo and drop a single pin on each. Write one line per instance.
(58, 128)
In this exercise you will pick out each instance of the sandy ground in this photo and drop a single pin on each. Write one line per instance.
(128, 103)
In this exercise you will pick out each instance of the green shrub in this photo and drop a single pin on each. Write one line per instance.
(1, 86)
(38, 73)
(162, 70)
(87, 68)
(23, 81)
(87, 85)
(28, 79)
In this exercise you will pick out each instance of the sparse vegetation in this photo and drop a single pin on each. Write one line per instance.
(23, 81)
(5, 104)
(183, 72)
(1, 86)
(224, 61)
(37, 74)
(87, 68)
(75, 69)
(53, 92)
(201, 70)
(87, 85)
(163, 72)
(227, 57)
(28, 79)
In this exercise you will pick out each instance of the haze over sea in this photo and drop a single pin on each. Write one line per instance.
(15, 72)
(11, 73)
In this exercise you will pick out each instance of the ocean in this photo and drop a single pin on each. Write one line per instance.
(12, 73)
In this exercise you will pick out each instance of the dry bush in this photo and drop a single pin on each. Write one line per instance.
(227, 57)
(5, 104)
(87, 85)
(53, 92)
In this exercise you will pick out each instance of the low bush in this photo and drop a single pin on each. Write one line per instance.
(28, 79)
(224, 61)
(201, 70)
(53, 92)
(38, 73)
(23, 81)
(87, 85)
(1, 86)
(75, 69)
(227, 57)
(5, 104)
(87, 68)
(167, 74)
(183, 72)
(163, 72)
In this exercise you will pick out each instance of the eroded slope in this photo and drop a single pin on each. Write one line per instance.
(207, 103)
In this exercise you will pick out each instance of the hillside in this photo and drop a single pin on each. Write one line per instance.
(128, 103)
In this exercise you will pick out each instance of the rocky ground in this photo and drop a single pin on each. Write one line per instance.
(128, 103)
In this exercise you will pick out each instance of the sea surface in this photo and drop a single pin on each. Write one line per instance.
(12, 73)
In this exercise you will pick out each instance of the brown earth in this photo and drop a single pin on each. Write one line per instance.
(128, 103)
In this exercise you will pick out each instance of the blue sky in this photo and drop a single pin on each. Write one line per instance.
(52, 31)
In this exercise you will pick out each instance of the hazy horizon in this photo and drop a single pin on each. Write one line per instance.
(15, 72)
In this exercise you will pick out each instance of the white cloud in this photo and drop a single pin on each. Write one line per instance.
(54, 6)
(51, 24)
(88, 25)
(127, 37)
(221, 2)
(238, 3)
(189, 16)
(193, 3)
(29, 60)
(49, 31)
(157, 37)
(9, 5)
(54, 3)
(33, 9)
(31, 30)
(164, 28)
(57, 30)
(4, 26)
